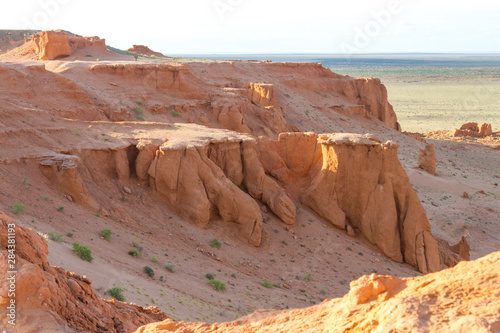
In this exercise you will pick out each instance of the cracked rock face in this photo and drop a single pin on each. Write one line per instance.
(202, 180)
(359, 183)
(363, 183)
(352, 181)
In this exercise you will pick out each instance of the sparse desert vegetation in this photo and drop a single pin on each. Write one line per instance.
(218, 285)
(106, 234)
(149, 271)
(18, 208)
(116, 293)
(83, 252)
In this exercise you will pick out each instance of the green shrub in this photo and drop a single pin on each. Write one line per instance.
(60, 209)
(209, 276)
(84, 252)
(18, 208)
(55, 236)
(267, 284)
(216, 243)
(138, 112)
(175, 114)
(308, 277)
(69, 234)
(149, 271)
(155, 260)
(116, 293)
(218, 285)
(106, 234)
(137, 246)
(133, 252)
(170, 267)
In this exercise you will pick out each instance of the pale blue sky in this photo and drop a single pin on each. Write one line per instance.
(267, 26)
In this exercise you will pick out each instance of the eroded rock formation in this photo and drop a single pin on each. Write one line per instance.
(359, 182)
(195, 186)
(372, 93)
(55, 300)
(417, 136)
(61, 170)
(203, 179)
(427, 159)
(264, 95)
(452, 255)
(366, 95)
(479, 130)
(460, 299)
(52, 45)
(144, 50)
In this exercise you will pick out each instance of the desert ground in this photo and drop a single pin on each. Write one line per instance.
(98, 104)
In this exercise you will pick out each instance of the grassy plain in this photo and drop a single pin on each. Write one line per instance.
(436, 93)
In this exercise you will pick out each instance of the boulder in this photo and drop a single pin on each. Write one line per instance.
(427, 159)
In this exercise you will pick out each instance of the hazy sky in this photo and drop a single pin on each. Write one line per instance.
(271, 26)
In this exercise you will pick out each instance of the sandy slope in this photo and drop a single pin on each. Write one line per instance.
(461, 299)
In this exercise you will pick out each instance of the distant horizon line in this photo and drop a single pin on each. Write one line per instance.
(349, 55)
